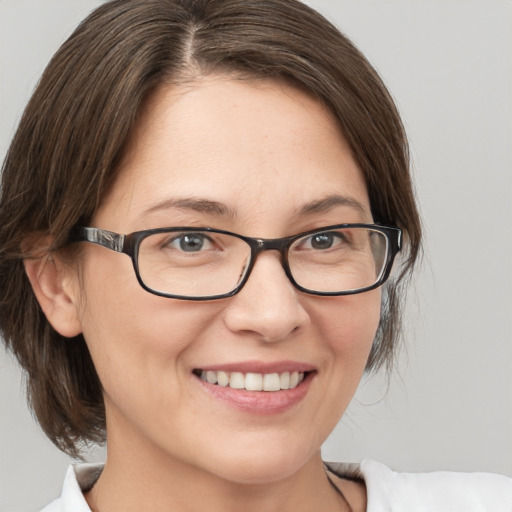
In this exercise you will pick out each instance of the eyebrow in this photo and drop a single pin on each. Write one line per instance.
(211, 207)
(194, 204)
(330, 202)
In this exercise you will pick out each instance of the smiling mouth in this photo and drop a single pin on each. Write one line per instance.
(252, 381)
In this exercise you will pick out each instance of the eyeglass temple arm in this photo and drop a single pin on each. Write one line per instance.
(97, 236)
(398, 239)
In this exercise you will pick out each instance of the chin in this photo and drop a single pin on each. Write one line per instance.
(258, 467)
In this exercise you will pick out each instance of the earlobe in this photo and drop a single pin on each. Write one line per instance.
(52, 286)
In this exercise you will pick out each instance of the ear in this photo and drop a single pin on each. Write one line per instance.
(52, 282)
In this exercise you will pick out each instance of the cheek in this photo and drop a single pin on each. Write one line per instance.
(131, 334)
(345, 328)
(349, 324)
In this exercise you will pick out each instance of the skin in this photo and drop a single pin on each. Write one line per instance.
(264, 150)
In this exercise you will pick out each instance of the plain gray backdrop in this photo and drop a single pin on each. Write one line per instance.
(448, 64)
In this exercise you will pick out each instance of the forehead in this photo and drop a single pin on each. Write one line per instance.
(261, 149)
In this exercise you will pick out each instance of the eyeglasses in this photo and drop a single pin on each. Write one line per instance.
(205, 264)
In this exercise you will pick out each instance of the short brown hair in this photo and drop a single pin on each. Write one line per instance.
(76, 126)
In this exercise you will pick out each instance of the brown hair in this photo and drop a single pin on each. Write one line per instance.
(75, 128)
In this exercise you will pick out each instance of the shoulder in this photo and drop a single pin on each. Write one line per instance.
(79, 478)
(442, 491)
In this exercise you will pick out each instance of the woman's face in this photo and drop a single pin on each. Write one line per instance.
(260, 159)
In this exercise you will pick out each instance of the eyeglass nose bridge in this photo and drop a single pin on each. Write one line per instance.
(260, 245)
(281, 245)
(271, 244)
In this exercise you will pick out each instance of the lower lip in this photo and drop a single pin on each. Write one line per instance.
(259, 402)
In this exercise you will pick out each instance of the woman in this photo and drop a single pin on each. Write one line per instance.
(251, 166)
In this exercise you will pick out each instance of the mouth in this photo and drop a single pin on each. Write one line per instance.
(257, 387)
(267, 382)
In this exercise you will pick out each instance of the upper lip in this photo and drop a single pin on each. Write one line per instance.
(260, 367)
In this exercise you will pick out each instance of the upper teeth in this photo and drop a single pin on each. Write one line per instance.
(254, 381)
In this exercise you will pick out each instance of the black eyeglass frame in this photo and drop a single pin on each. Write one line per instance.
(129, 244)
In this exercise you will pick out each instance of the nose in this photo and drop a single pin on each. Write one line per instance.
(268, 306)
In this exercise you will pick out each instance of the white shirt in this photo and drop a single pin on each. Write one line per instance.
(387, 490)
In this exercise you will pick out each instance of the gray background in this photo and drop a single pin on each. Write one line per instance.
(449, 66)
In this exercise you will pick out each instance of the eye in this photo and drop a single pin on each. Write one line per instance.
(190, 242)
(322, 241)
